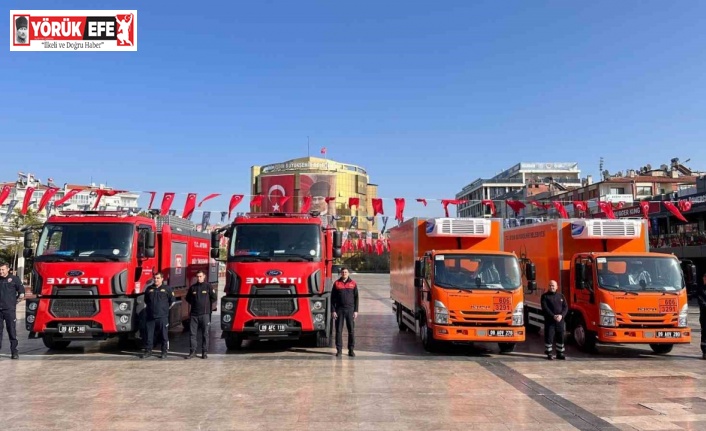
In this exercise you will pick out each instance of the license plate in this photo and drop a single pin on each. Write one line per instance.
(668, 334)
(272, 327)
(72, 329)
(501, 333)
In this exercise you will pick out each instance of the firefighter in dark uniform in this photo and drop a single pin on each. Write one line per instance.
(12, 291)
(701, 297)
(158, 300)
(344, 301)
(555, 309)
(201, 296)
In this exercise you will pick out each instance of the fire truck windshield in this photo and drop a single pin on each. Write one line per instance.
(639, 274)
(275, 242)
(457, 271)
(88, 242)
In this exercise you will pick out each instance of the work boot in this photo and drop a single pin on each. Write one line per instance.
(204, 355)
(15, 356)
(351, 353)
(192, 354)
(703, 356)
(550, 357)
(338, 353)
(560, 356)
(163, 355)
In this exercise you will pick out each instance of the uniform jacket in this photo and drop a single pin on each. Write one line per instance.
(345, 294)
(201, 296)
(553, 304)
(158, 301)
(10, 290)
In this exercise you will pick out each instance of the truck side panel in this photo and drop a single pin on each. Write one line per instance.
(403, 252)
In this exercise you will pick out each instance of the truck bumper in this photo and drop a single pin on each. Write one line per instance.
(491, 334)
(645, 335)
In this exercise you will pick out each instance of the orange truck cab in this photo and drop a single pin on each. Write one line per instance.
(617, 291)
(452, 282)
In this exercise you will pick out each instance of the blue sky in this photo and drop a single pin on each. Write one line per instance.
(427, 96)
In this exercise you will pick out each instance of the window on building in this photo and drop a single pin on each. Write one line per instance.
(644, 190)
(617, 190)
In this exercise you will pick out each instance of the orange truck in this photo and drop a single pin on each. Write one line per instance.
(616, 290)
(452, 282)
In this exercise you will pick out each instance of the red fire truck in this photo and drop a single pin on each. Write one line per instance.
(91, 269)
(278, 279)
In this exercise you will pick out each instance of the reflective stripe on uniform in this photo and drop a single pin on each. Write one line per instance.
(560, 348)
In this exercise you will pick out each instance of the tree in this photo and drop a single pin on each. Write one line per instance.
(11, 233)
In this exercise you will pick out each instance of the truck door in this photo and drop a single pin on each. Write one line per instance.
(425, 291)
(584, 299)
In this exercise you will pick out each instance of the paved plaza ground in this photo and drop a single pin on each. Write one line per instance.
(392, 384)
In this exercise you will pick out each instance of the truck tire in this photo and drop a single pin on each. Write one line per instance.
(585, 340)
(661, 349)
(428, 341)
(234, 341)
(400, 323)
(54, 344)
(507, 347)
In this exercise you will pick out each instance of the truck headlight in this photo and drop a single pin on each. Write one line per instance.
(683, 320)
(441, 313)
(124, 319)
(228, 306)
(607, 315)
(227, 318)
(318, 305)
(123, 306)
(518, 316)
(32, 306)
(30, 318)
(318, 318)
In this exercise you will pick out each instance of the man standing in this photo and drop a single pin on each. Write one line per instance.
(11, 293)
(201, 296)
(158, 300)
(701, 297)
(344, 300)
(555, 309)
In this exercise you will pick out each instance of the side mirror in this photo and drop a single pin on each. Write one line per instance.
(418, 282)
(150, 240)
(337, 239)
(149, 252)
(418, 269)
(337, 252)
(531, 286)
(689, 270)
(28, 239)
(580, 275)
(27, 253)
(530, 271)
(215, 253)
(215, 239)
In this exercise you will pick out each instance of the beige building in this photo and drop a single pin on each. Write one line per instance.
(285, 186)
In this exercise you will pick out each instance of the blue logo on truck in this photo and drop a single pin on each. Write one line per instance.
(577, 229)
(430, 226)
(273, 272)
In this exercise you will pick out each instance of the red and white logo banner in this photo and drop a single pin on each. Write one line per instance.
(73, 30)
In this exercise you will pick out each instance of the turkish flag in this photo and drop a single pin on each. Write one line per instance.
(580, 205)
(353, 202)
(46, 197)
(645, 207)
(515, 205)
(360, 244)
(621, 204)
(71, 193)
(273, 188)
(378, 247)
(234, 201)
(399, 209)
(684, 205)
(422, 200)
(540, 205)
(4, 194)
(152, 195)
(490, 204)
(167, 200)
(306, 204)
(607, 209)
(377, 206)
(189, 206)
(28, 197)
(446, 202)
(256, 200)
(674, 210)
(101, 193)
(560, 209)
(211, 196)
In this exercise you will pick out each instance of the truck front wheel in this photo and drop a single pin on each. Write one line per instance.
(54, 344)
(584, 339)
(234, 341)
(506, 347)
(427, 334)
(661, 349)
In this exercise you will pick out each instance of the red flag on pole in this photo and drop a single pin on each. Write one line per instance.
(209, 197)
(645, 207)
(28, 197)
(189, 205)
(580, 205)
(45, 198)
(399, 209)
(4, 194)
(101, 192)
(490, 204)
(422, 200)
(71, 193)
(540, 205)
(167, 200)
(323, 150)
(446, 202)
(256, 200)
(353, 202)
(306, 204)
(560, 209)
(607, 208)
(234, 201)
(516, 206)
(684, 205)
(377, 206)
(152, 195)
(674, 210)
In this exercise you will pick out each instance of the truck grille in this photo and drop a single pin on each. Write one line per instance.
(272, 306)
(73, 307)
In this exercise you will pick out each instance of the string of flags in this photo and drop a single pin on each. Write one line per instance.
(256, 202)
